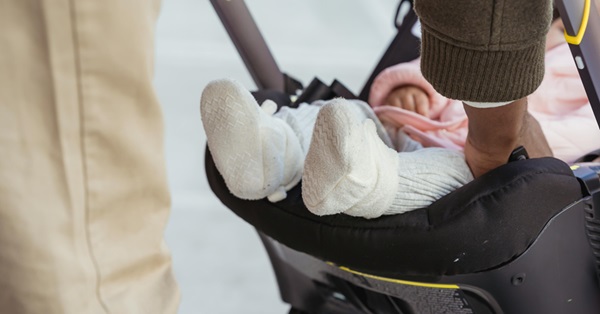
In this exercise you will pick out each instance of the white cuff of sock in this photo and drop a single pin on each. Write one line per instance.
(484, 105)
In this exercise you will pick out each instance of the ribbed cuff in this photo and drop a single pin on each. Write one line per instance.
(480, 75)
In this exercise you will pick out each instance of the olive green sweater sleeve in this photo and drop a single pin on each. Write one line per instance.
(484, 50)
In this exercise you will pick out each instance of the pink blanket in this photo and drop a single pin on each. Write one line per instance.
(559, 104)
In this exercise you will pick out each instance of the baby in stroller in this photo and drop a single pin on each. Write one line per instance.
(403, 99)
(346, 159)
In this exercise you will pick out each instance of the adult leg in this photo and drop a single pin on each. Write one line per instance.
(83, 194)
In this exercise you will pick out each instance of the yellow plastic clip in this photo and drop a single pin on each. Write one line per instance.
(576, 40)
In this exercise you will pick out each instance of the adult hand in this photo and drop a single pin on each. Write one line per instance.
(410, 98)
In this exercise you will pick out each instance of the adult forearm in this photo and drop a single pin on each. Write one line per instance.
(488, 52)
(495, 132)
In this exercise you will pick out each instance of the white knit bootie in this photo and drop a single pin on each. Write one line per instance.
(257, 154)
(348, 168)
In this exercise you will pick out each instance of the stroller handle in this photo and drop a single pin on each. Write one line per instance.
(585, 52)
(250, 44)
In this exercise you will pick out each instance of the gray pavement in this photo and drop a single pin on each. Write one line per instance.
(219, 261)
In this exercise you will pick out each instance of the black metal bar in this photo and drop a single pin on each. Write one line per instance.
(249, 42)
(587, 53)
(403, 48)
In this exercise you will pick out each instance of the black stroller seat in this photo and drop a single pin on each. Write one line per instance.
(480, 226)
(524, 238)
(505, 238)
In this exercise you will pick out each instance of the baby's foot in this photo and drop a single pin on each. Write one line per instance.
(348, 168)
(257, 154)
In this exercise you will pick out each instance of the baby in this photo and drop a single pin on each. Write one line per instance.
(350, 163)
(406, 102)
(339, 149)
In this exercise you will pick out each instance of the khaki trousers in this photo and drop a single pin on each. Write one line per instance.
(83, 194)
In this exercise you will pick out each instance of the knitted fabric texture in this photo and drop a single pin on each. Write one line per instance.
(484, 51)
(257, 154)
(350, 170)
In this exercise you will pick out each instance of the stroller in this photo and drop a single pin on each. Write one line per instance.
(527, 234)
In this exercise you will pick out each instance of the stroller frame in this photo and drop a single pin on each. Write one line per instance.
(311, 285)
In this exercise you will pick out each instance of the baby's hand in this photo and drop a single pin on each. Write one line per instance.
(410, 98)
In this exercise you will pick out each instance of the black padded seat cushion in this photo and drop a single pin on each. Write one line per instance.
(480, 226)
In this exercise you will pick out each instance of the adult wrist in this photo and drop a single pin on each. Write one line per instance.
(497, 131)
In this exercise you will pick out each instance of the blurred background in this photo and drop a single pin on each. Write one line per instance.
(219, 261)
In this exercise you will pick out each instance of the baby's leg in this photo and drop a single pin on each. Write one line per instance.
(302, 120)
(258, 155)
(427, 175)
(401, 141)
(350, 170)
